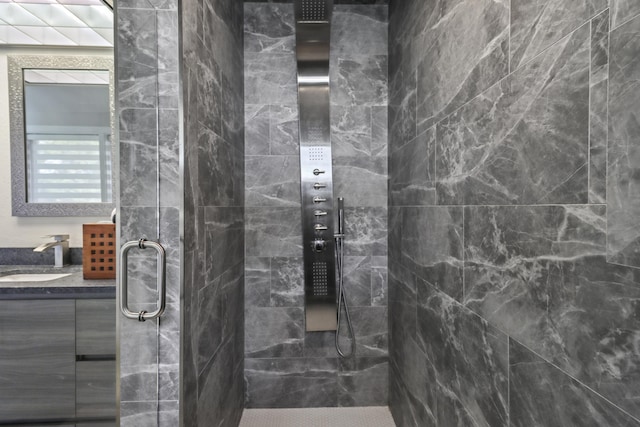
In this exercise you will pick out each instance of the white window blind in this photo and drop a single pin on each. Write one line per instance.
(69, 168)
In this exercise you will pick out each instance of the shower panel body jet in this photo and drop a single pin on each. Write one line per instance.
(313, 19)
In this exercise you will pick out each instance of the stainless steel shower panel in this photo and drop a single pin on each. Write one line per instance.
(312, 50)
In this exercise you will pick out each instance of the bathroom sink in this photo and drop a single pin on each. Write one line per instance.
(34, 277)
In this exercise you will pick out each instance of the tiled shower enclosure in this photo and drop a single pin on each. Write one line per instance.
(284, 365)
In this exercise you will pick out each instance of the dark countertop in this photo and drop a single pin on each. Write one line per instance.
(70, 287)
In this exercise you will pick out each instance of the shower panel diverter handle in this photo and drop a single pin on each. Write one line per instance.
(161, 282)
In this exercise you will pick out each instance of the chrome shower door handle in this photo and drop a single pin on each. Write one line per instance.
(161, 281)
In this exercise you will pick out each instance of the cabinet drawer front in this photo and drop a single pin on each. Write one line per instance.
(95, 326)
(95, 388)
(37, 359)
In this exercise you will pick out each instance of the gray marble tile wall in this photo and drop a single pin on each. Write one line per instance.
(212, 375)
(513, 213)
(284, 365)
(147, 96)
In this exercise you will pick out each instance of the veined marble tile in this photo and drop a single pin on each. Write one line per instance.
(283, 135)
(407, 410)
(365, 230)
(539, 274)
(622, 11)
(270, 78)
(598, 112)
(537, 24)
(272, 181)
(429, 243)
(269, 27)
(412, 172)
(359, 80)
(524, 140)
(257, 130)
(350, 131)
(273, 232)
(287, 282)
(361, 180)
(379, 131)
(470, 358)
(291, 383)
(357, 280)
(363, 381)
(542, 395)
(361, 29)
(274, 332)
(402, 108)
(623, 184)
(463, 47)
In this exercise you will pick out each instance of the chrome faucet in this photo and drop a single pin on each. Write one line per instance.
(61, 248)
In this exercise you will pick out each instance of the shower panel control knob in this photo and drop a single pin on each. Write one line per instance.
(317, 172)
(320, 213)
(320, 227)
(319, 245)
(319, 200)
(318, 186)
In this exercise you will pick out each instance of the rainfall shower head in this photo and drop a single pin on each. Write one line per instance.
(313, 11)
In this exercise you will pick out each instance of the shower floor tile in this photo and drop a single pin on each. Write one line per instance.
(375, 416)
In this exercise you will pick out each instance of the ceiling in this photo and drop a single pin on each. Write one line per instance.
(87, 23)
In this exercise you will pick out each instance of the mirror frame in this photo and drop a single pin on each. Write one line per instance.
(19, 204)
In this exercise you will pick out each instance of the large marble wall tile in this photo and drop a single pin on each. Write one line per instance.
(593, 328)
(407, 410)
(363, 382)
(274, 332)
(543, 395)
(402, 108)
(508, 253)
(542, 278)
(622, 11)
(370, 329)
(623, 185)
(537, 24)
(429, 242)
(358, 280)
(283, 135)
(224, 244)
(350, 131)
(379, 281)
(379, 131)
(272, 181)
(291, 383)
(257, 128)
(273, 232)
(474, 35)
(257, 282)
(269, 28)
(412, 379)
(525, 140)
(365, 230)
(219, 167)
(412, 167)
(359, 80)
(287, 282)
(470, 358)
(598, 112)
(362, 181)
(270, 78)
(360, 30)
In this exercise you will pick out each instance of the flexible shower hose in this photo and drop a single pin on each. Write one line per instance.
(342, 296)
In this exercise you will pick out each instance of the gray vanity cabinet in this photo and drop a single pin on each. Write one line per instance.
(37, 359)
(57, 360)
(95, 350)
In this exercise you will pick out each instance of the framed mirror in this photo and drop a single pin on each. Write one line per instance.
(61, 122)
